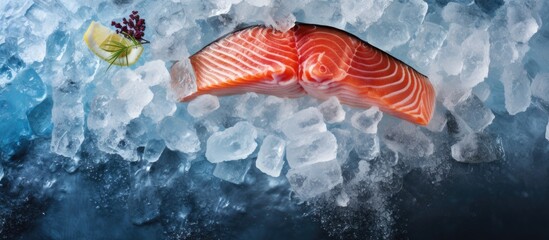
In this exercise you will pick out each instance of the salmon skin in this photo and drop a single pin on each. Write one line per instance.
(314, 60)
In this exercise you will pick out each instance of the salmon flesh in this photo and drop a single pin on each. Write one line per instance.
(313, 60)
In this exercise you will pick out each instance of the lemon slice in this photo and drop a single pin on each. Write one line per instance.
(100, 40)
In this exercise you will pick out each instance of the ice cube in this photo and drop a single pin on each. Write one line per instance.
(478, 148)
(312, 180)
(482, 91)
(332, 110)
(503, 51)
(160, 106)
(10, 69)
(33, 49)
(113, 140)
(476, 58)
(310, 149)
(439, 119)
(153, 73)
(388, 35)
(257, 3)
(345, 144)
(99, 113)
(248, 105)
(14, 9)
(40, 118)
(452, 52)
(233, 171)
(516, 86)
(425, 46)
(452, 94)
(540, 87)
(168, 25)
(412, 13)
(67, 117)
(153, 150)
(111, 133)
(223, 7)
(283, 23)
(178, 135)
(234, 143)
(547, 131)
(183, 81)
(362, 17)
(26, 90)
(41, 21)
(170, 48)
(366, 145)
(71, 5)
(143, 200)
(137, 131)
(203, 105)
(520, 23)
(273, 111)
(136, 95)
(270, 158)
(363, 167)
(466, 15)
(407, 139)
(331, 13)
(303, 123)
(473, 112)
(522, 31)
(342, 199)
(59, 46)
(450, 59)
(366, 121)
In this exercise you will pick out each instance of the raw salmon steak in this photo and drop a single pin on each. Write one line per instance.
(313, 60)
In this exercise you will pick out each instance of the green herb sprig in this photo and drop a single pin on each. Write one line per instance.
(121, 48)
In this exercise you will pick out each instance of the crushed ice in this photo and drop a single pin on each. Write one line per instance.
(478, 57)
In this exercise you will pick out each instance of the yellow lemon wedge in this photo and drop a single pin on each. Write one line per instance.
(112, 47)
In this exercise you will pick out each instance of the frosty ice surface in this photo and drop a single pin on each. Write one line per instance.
(233, 143)
(142, 162)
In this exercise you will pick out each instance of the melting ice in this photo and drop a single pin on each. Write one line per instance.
(117, 143)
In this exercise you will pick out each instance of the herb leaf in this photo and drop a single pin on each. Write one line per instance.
(120, 48)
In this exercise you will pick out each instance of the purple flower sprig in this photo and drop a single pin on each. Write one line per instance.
(132, 27)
